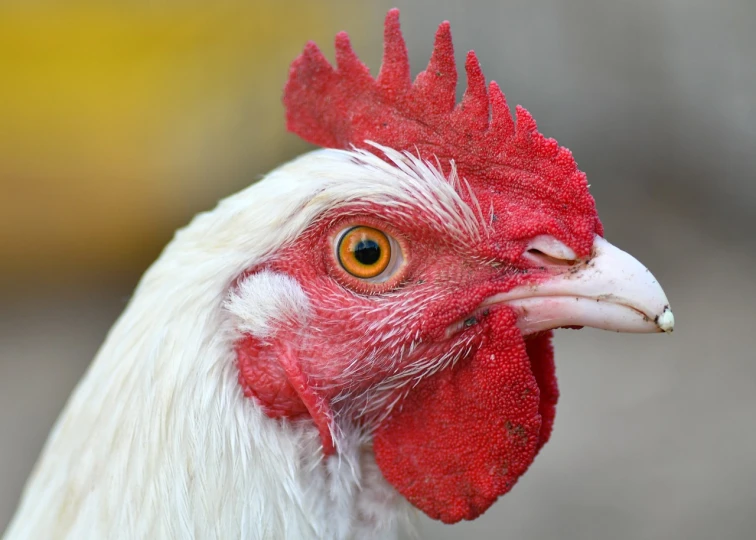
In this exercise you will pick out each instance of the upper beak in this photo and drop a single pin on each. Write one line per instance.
(611, 291)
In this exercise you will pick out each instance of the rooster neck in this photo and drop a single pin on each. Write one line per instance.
(158, 440)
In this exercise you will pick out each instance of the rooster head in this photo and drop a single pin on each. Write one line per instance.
(416, 308)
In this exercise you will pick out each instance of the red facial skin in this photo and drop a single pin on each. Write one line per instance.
(471, 428)
(455, 419)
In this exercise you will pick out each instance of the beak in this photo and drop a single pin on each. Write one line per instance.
(611, 291)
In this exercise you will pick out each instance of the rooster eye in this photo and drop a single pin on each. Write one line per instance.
(368, 253)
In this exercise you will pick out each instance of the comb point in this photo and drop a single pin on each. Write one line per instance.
(312, 58)
(347, 61)
(501, 117)
(525, 123)
(473, 110)
(437, 85)
(476, 81)
(394, 75)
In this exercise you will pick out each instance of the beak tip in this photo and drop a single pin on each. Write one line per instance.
(666, 321)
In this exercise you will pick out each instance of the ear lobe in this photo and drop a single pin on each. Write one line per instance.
(269, 308)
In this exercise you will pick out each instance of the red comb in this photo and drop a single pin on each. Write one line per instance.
(346, 106)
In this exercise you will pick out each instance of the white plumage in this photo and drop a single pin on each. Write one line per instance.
(158, 440)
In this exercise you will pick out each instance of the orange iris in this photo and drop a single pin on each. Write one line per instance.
(364, 252)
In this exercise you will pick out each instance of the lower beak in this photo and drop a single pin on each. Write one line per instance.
(611, 291)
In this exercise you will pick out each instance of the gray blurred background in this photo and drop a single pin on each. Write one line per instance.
(655, 436)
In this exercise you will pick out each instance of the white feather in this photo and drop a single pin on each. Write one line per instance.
(265, 301)
(158, 441)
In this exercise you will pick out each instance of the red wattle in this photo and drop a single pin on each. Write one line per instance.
(463, 436)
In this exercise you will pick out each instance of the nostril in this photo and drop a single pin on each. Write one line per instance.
(541, 258)
(546, 250)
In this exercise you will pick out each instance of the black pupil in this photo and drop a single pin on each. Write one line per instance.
(367, 252)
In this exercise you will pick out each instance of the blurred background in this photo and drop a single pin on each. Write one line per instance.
(120, 120)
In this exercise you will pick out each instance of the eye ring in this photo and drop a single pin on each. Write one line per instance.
(368, 254)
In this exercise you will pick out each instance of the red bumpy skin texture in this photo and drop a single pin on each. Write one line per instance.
(463, 435)
(344, 107)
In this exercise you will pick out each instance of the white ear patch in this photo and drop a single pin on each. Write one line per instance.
(267, 301)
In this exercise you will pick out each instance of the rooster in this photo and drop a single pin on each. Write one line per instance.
(366, 330)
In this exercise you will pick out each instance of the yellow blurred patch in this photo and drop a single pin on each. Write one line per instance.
(118, 120)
